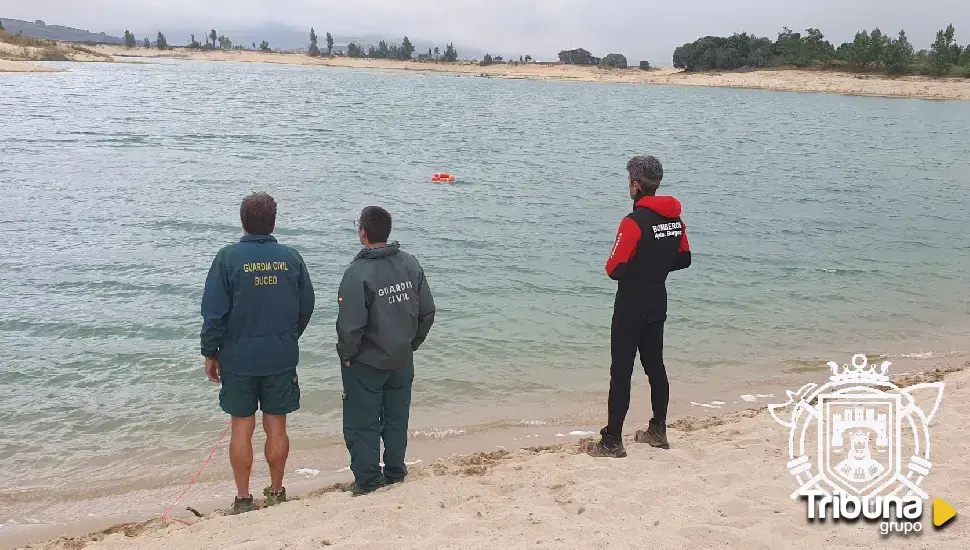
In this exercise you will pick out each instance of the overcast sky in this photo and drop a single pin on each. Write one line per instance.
(637, 28)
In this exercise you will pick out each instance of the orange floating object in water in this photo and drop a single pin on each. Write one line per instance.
(442, 177)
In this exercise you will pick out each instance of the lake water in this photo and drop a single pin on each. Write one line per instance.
(821, 226)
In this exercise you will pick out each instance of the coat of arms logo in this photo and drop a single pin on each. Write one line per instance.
(854, 434)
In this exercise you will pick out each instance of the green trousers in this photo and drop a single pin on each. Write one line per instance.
(377, 405)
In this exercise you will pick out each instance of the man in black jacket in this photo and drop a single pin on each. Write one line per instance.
(385, 313)
(650, 243)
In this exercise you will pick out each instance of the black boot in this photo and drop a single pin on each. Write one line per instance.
(655, 435)
(608, 446)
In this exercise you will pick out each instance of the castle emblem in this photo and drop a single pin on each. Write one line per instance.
(855, 433)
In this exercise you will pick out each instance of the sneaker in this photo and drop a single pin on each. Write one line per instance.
(272, 499)
(655, 435)
(609, 446)
(242, 505)
(393, 480)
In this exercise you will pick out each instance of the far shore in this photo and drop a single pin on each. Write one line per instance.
(920, 87)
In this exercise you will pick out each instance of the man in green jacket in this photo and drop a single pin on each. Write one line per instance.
(385, 313)
(257, 302)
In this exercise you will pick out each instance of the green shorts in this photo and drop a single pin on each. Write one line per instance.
(278, 394)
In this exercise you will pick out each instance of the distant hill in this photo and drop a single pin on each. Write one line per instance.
(39, 29)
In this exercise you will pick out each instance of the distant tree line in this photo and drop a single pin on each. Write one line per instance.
(402, 52)
(383, 51)
(869, 51)
(213, 41)
(581, 56)
(450, 54)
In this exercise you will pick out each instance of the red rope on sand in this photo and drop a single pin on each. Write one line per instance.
(204, 464)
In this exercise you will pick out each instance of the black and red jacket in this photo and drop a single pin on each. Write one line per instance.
(650, 243)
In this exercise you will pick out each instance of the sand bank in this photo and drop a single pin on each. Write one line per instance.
(17, 52)
(724, 483)
(779, 80)
(25, 67)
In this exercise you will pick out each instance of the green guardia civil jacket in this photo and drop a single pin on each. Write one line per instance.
(257, 302)
(385, 308)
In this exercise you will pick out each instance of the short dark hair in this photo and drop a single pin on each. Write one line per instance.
(647, 171)
(376, 222)
(258, 214)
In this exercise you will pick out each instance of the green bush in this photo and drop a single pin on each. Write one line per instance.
(614, 60)
(578, 57)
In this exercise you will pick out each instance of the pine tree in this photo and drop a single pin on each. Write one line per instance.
(329, 44)
(355, 50)
(407, 49)
(451, 54)
(898, 55)
(314, 49)
(941, 52)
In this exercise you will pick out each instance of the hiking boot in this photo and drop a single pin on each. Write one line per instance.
(655, 435)
(393, 480)
(356, 490)
(242, 505)
(609, 446)
(272, 499)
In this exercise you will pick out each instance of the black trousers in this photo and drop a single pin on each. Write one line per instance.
(630, 334)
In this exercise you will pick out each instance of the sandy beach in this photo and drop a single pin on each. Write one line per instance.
(724, 483)
(7, 66)
(777, 80)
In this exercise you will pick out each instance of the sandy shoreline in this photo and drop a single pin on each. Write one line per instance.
(775, 80)
(38, 513)
(25, 67)
(724, 484)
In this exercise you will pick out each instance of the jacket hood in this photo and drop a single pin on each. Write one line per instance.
(389, 249)
(666, 206)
